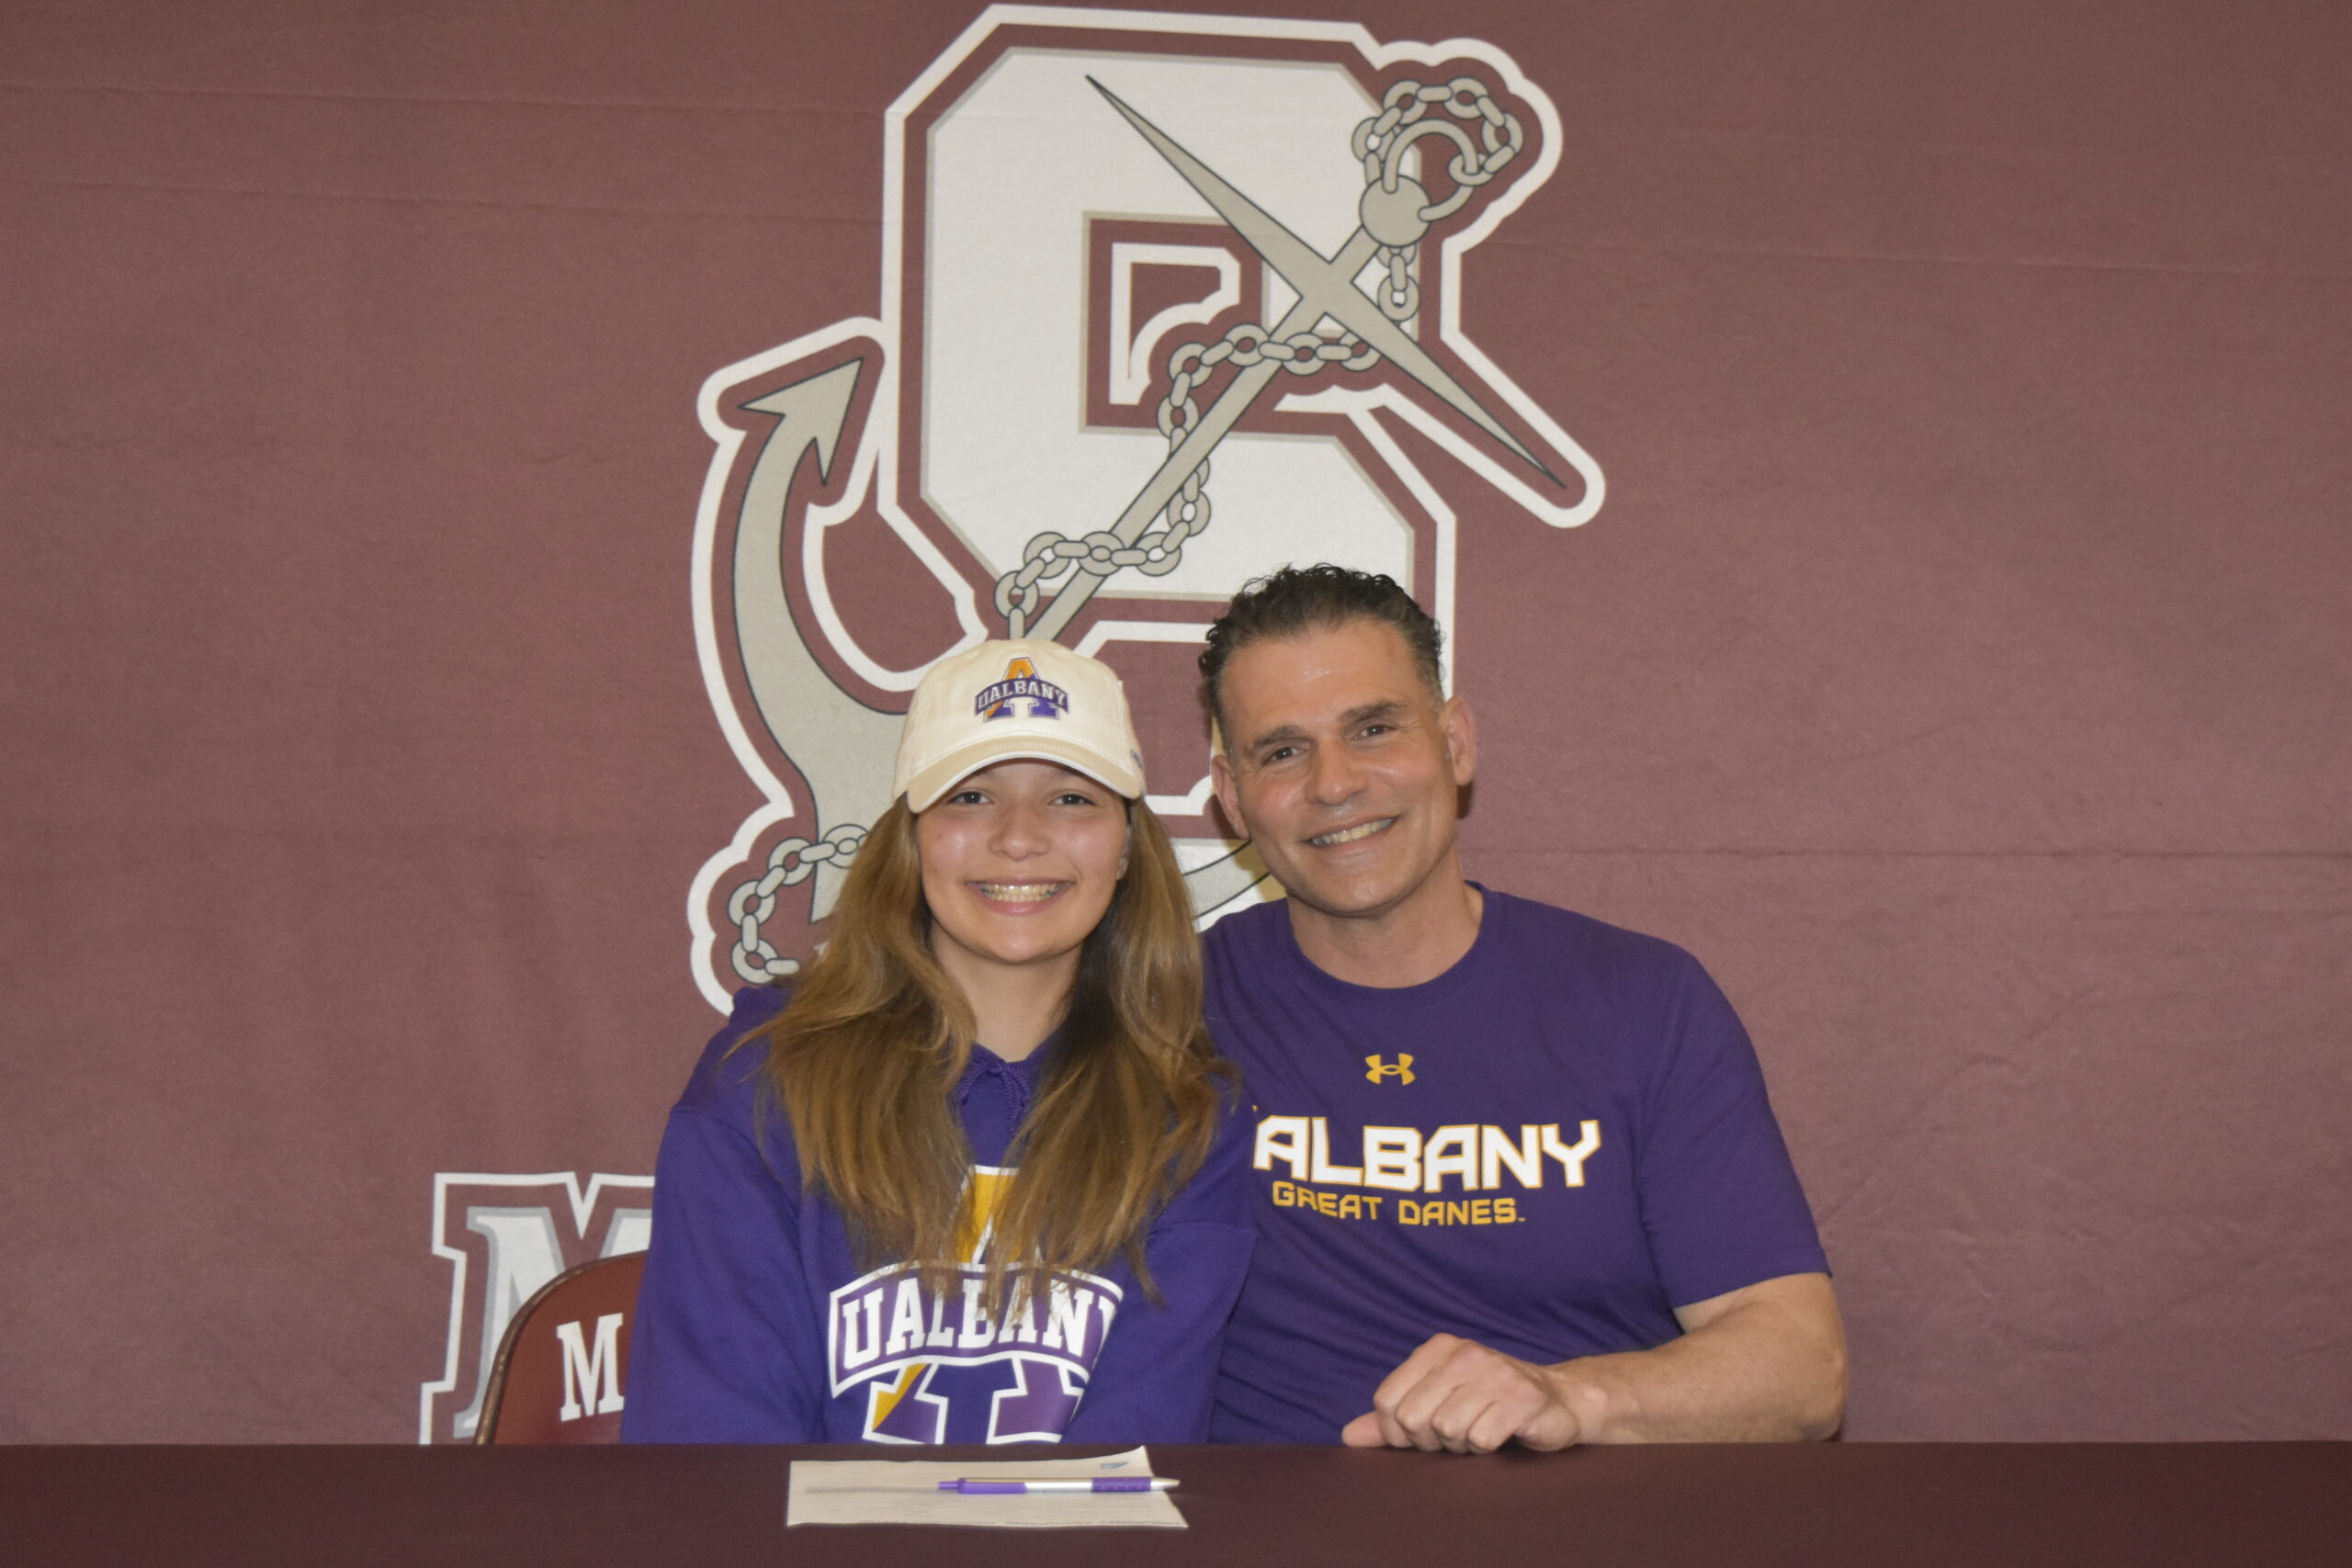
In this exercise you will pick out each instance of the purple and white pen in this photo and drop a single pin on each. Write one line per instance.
(972, 1487)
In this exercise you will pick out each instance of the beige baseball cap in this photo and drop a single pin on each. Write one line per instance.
(1029, 699)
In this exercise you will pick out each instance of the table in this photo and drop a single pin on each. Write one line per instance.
(1878, 1505)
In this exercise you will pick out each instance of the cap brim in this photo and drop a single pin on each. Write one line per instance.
(928, 785)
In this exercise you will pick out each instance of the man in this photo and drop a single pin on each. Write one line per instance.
(1517, 1179)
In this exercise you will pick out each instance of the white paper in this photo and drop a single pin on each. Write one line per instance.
(906, 1492)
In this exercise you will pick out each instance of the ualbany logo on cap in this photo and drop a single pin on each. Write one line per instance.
(1021, 683)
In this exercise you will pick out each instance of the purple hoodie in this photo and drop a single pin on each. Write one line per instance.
(755, 1323)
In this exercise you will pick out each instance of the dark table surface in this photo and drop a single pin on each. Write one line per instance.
(2210, 1505)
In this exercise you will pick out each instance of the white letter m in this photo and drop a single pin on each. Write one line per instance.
(582, 1366)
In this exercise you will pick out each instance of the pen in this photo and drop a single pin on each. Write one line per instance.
(970, 1487)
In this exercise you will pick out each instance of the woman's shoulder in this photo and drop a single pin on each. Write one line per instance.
(726, 1079)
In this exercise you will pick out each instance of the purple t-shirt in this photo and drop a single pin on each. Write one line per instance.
(756, 1325)
(1545, 1149)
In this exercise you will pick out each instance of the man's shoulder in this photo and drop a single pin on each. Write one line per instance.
(1530, 926)
(1245, 931)
(1251, 951)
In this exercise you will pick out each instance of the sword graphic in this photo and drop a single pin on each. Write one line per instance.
(1326, 286)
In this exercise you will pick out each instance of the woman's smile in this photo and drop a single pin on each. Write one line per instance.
(1029, 894)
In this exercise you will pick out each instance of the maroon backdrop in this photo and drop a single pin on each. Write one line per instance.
(1959, 665)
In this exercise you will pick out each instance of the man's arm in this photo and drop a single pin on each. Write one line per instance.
(1764, 1363)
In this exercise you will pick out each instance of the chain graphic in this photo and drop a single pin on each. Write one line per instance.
(792, 861)
(1396, 212)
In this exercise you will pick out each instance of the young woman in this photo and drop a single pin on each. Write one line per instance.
(978, 1177)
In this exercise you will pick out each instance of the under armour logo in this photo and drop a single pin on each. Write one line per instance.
(1375, 1069)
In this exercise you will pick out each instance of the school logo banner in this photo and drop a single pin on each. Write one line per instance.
(1166, 302)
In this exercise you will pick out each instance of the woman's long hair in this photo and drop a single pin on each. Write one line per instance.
(865, 1057)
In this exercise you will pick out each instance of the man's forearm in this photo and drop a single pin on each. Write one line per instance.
(1768, 1366)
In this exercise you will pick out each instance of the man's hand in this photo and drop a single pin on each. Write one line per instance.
(1764, 1363)
(1459, 1395)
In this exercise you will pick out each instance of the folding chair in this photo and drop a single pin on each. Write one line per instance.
(563, 1360)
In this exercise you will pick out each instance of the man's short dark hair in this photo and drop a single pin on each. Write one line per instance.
(1318, 598)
